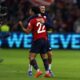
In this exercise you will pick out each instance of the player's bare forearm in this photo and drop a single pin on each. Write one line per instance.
(26, 30)
(21, 24)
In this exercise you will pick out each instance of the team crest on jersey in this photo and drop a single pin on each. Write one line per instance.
(45, 17)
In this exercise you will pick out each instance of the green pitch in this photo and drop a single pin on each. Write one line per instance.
(66, 65)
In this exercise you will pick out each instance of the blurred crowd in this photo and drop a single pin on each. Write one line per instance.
(65, 14)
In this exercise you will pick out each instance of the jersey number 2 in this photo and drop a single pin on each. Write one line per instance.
(41, 28)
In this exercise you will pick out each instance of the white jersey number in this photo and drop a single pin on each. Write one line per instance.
(41, 28)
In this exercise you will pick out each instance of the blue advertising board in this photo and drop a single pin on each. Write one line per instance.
(57, 41)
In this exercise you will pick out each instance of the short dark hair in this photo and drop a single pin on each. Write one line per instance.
(35, 9)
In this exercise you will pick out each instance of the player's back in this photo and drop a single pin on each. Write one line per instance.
(38, 29)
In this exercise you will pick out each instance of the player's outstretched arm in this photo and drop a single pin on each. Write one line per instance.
(26, 30)
(21, 25)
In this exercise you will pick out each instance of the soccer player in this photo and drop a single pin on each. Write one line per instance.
(48, 24)
(39, 44)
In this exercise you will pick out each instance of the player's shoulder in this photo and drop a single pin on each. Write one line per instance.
(32, 21)
(46, 14)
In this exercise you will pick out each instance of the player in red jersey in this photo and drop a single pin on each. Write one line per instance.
(39, 44)
(48, 25)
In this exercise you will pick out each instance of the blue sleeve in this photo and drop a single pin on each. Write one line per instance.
(49, 22)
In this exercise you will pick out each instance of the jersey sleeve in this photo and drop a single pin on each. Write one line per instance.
(49, 22)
